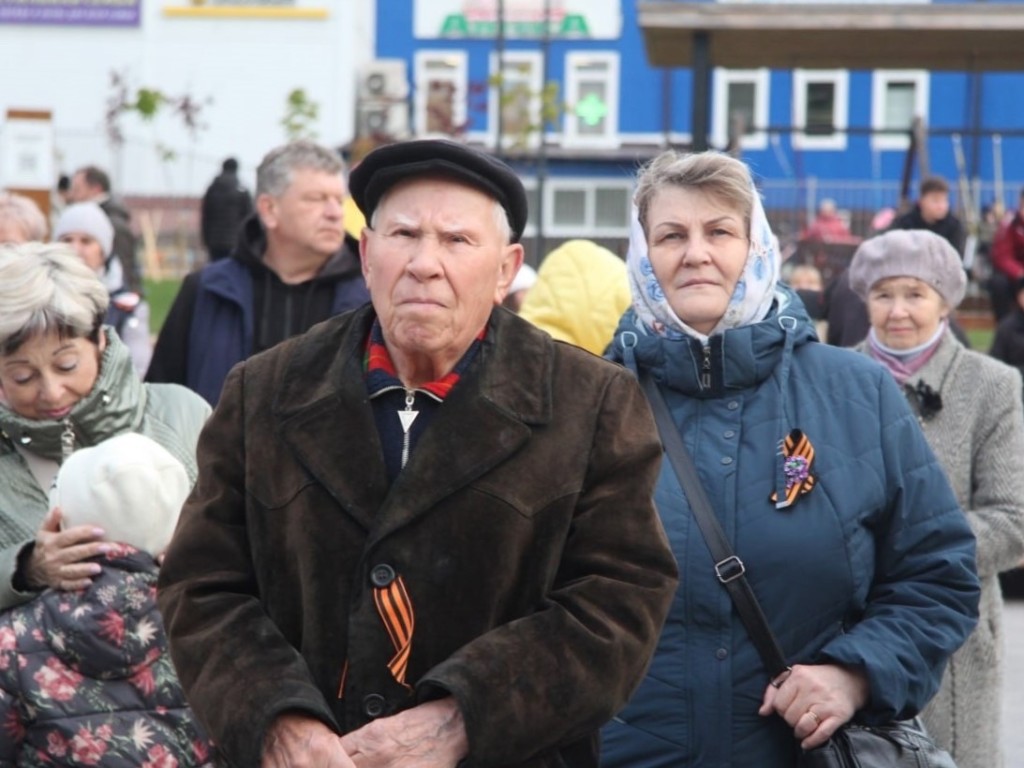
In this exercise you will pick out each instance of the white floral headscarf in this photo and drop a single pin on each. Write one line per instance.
(751, 298)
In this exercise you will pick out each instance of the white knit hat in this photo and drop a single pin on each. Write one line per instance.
(90, 219)
(129, 485)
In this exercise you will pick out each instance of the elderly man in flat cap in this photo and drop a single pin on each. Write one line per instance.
(422, 534)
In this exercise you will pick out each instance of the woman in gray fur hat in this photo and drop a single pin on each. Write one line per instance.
(969, 407)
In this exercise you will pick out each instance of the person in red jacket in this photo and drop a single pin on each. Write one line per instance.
(1007, 262)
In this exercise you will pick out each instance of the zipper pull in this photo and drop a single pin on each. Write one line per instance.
(407, 417)
(705, 368)
(67, 440)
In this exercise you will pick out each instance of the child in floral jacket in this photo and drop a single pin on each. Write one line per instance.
(85, 677)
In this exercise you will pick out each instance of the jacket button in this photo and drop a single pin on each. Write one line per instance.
(721, 653)
(733, 405)
(729, 433)
(373, 705)
(382, 575)
(727, 460)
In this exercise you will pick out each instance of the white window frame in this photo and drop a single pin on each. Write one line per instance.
(536, 62)
(422, 74)
(880, 83)
(723, 78)
(590, 227)
(571, 137)
(840, 79)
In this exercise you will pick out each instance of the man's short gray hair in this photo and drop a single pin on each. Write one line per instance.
(46, 287)
(716, 175)
(500, 218)
(274, 174)
(25, 213)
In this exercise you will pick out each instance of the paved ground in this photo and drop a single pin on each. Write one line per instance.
(1013, 685)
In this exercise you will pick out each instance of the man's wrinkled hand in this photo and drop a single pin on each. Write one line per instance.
(300, 741)
(431, 735)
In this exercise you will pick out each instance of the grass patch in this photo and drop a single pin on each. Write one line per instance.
(981, 338)
(160, 295)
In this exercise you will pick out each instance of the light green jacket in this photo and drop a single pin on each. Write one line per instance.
(118, 402)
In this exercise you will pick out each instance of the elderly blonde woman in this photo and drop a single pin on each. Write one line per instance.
(20, 219)
(969, 407)
(817, 472)
(66, 381)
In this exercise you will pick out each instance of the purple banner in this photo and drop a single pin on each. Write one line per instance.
(73, 13)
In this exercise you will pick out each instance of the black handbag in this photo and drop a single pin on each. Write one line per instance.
(897, 744)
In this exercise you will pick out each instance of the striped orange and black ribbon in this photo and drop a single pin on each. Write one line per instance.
(797, 447)
(395, 609)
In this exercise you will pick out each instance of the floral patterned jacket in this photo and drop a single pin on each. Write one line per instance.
(85, 677)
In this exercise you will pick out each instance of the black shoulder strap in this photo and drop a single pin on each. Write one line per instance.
(728, 567)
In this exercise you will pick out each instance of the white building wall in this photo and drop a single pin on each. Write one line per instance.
(246, 66)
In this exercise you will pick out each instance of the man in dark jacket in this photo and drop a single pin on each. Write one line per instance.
(289, 270)
(931, 212)
(422, 534)
(226, 204)
(92, 185)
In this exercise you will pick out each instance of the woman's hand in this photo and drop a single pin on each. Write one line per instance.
(56, 559)
(816, 700)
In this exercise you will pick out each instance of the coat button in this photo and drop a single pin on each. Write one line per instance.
(733, 405)
(729, 433)
(721, 653)
(727, 460)
(382, 575)
(373, 705)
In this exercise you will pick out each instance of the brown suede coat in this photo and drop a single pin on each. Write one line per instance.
(522, 527)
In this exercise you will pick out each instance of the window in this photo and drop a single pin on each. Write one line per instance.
(520, 98)
(587, 207)
(820, 106)
(740, 100)
(897, 97)
(592, 98)
(441, 84)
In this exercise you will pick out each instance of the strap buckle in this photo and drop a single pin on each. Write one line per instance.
(729, 569)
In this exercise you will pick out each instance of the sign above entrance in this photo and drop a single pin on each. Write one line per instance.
(581, 19)
(246, 9)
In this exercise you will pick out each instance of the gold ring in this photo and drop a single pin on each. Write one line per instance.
(817, 720)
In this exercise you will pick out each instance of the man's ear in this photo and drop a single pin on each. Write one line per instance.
(508, 268)
(364, 260)
(266, 207)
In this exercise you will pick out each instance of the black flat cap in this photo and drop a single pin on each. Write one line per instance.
(386, 166)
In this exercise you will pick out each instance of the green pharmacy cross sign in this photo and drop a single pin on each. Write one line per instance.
(591, 109)
(571, 25)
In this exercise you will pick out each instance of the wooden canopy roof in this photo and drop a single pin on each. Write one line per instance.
(741, 35)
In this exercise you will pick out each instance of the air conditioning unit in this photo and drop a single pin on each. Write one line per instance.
(384, 119)
(384, 80)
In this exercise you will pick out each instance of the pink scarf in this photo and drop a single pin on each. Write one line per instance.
(904, 363)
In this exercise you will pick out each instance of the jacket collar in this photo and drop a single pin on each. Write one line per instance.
(114, 405)
(739, 358)
(327, 420)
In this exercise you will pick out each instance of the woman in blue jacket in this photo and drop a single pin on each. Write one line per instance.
(854, 545)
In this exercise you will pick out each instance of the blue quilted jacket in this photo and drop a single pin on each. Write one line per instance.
(872, 567)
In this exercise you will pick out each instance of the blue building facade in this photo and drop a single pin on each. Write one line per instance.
(807, 134)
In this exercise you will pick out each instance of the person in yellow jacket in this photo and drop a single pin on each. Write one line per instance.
(580, 294)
